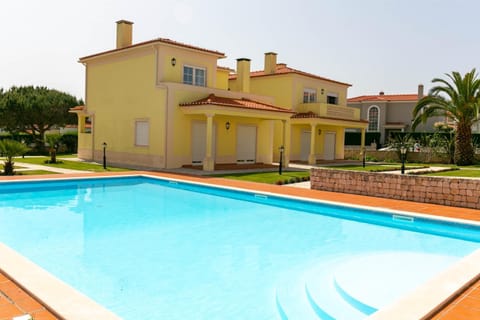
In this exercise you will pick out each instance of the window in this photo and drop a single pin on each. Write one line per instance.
(309, 95)
(194, 76)
(332, 98)
(142, 128)
(373, 115)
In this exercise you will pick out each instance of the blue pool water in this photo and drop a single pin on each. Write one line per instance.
(144, 247)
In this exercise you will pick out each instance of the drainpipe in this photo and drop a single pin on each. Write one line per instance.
(165, 86)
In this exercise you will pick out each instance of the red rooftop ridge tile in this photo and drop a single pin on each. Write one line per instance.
(283, 69)
(385, 97)
(235, 103)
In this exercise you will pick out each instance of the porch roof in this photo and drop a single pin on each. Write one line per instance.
(235, 106)
(313, 118)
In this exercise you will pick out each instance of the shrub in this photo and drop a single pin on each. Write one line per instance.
(70, 140)
(279, 182)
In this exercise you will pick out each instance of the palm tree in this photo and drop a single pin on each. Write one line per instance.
(10, 149)
(53, 141)
(458, 99)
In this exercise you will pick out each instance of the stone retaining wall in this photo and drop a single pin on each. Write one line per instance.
(458, 192)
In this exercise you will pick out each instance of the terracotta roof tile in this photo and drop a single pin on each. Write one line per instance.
(283, 69)
(77, 108)
(313, 115)
(385, 97)
(158, 40)
(236, 103)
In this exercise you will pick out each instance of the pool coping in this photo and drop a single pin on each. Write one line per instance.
(68, 303)
(58, 297)
(430, 297)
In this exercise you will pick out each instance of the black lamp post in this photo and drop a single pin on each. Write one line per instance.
(104, 155)
(282, 149)
(363, 156)
(403, 152)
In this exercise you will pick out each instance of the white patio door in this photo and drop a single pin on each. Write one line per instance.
(246, 144)
(305, 139)
(329, 146)
(199, 142)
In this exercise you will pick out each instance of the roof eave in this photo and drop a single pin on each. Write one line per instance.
(219, 55)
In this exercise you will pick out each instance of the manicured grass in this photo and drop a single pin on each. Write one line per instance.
(266, 177)
(376, 167)
(66, 164)
(464, 173)
(33, 172)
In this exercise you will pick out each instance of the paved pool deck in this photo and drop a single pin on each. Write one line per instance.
(465, 304)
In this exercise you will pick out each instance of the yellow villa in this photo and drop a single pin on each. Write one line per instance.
(162, 104)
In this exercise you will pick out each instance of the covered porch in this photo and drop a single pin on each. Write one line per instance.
(317, 138)
(235, 131)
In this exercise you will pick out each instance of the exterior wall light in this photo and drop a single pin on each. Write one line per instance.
(227, 125)
(174, 62)
(319, 131)
(322, 91)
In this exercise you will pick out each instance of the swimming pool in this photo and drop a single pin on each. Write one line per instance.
(166, 249)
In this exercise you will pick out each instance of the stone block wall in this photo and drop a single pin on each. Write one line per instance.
(458, 192)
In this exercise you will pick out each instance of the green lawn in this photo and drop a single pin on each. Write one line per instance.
(376, 167)
(33, 172)
(465, 173)
(472, 171)
(66, 164)
(266, 177)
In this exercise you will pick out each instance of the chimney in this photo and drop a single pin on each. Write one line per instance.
(270, 63)
(420, 91)
(124, 33)
(243, 74)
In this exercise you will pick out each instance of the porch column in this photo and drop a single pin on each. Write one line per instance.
(209, 162)
(312, 158)
(286, 126)
(362, 144)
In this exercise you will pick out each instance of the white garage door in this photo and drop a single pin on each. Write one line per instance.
(246, 144)
(199, 142)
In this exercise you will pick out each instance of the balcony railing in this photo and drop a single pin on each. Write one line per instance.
(330, 110)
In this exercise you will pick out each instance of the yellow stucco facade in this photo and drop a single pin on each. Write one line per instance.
(163, 104)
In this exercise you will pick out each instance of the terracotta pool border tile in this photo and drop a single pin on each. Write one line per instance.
(445, 309)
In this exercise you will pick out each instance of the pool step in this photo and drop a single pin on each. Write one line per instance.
(313, 295)
(355, 287)
(325, 298)
(291, 301)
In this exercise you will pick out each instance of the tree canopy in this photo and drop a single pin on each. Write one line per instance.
(35, 110)
(458, 99)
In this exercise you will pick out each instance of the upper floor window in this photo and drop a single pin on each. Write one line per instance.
(194, 76)
(373, 118)
(309, 95)
(332, 98)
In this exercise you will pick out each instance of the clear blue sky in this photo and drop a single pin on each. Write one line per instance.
(389, 45)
